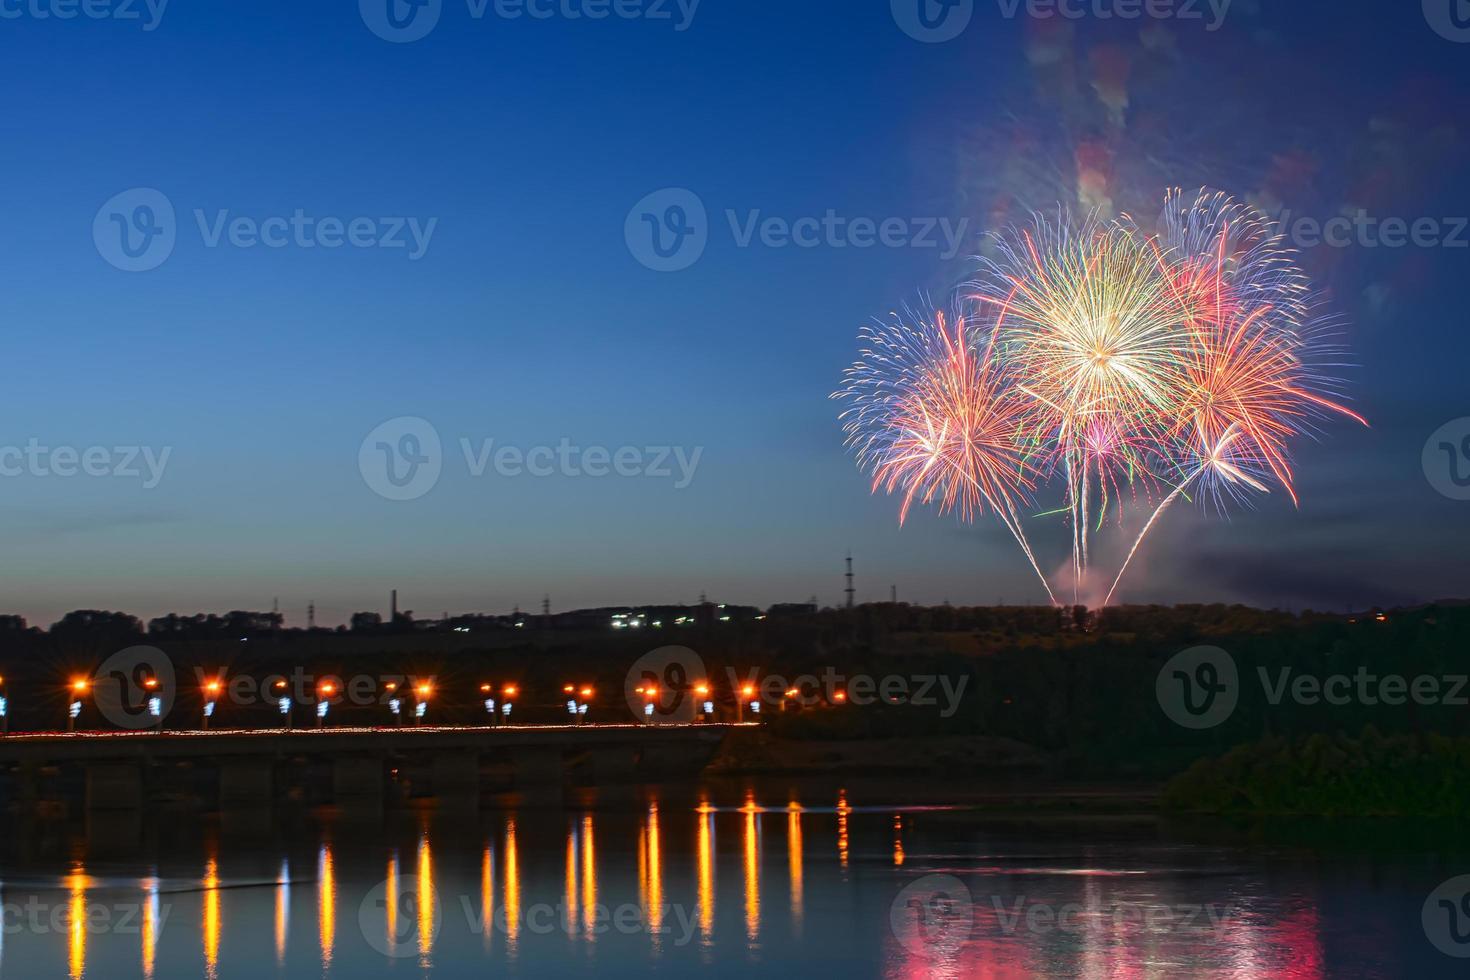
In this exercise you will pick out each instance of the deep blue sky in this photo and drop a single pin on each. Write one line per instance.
(529, 321)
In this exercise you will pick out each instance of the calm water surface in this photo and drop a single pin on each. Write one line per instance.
(727, 879)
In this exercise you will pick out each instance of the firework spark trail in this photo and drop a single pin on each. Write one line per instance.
(934, 420)
(1244, 389)
(1111, 359)
(1094, 337)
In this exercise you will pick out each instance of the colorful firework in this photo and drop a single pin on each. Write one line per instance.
(1125, 365)
(933, 419)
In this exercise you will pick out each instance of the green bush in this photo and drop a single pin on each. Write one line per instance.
(1336, 775)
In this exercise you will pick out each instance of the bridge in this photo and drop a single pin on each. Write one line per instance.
(124, 770)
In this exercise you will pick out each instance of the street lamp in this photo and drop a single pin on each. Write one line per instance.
(323, 702)
(283, 702)
(4, 710)
(649, 694)
(707, 706)
(79, 687)
(487, 690)
(747, 693)
(211, 695)
(508, 701)
(395, 703)
(424, 691)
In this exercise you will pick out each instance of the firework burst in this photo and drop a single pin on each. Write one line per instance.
(1128, 366)
(933, 420)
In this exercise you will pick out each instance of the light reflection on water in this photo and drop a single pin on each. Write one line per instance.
(619, 888)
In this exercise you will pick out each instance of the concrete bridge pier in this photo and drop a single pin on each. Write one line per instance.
(615, 763)
(247, 782)
(27, 778)
(456, 776)
(539, 774)
(114, 833)
(114, 786)
(357, 779)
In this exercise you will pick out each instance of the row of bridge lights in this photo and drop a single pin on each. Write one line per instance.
(578, 700)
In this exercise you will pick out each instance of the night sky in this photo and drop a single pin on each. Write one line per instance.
(528, 319)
